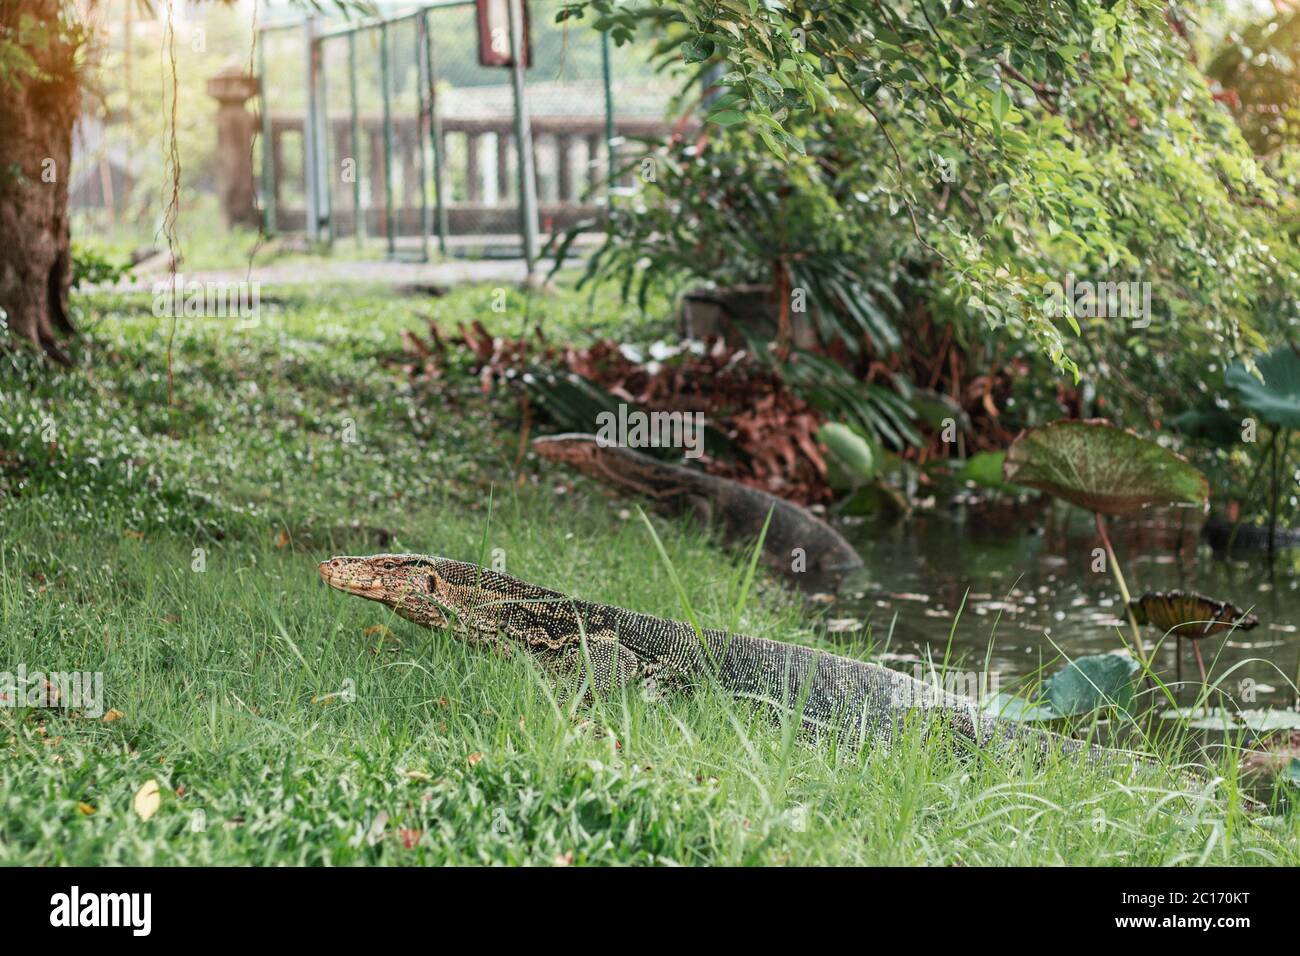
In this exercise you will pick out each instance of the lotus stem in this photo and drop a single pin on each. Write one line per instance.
(1250, 486)
(1123, 589)
(1272, 503)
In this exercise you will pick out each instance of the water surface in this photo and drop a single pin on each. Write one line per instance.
(1027, 575)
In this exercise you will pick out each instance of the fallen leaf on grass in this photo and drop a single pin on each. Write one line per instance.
(86, 808)
(282, 539)
(147, 800)
(474, 758)
(381, 629)
(410, 838)
(418, 775)
(112, 715)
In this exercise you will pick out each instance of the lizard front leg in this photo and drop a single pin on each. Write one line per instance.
(606, 664)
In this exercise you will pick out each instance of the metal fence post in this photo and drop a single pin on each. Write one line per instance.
(524, 138)
(609, 107)
(324, 143)
(435, 137)
(422, 87)
(388, 140)
(358, 213)
(268, 158)
(310, 129)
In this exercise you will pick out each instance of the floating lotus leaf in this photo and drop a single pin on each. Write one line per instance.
(1276, 399)
(1189, 614)
(1102, 468)
(1087, 683)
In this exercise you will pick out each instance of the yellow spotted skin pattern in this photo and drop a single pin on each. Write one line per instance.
(855, 701)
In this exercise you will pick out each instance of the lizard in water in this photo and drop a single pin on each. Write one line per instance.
(853, 700)
(740, 509)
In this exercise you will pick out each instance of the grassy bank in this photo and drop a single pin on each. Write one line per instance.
(173, 549)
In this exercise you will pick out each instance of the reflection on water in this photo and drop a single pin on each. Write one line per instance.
(1026, 573)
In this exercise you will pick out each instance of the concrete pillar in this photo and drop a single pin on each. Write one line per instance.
(232, 88)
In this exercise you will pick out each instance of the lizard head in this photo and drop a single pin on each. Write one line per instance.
(411, 584)
(425, 589)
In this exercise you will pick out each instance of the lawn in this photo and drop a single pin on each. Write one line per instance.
(174, 549)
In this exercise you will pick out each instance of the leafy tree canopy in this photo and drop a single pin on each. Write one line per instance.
(1019, 143)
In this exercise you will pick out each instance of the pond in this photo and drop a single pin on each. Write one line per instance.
(1026, 573)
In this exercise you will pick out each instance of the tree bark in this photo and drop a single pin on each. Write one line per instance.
(38, 107)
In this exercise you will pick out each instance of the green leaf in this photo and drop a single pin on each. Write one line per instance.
(1214, 426)
(1276, 399)
(853, 452)
(985, 470)
(1102, 468)
(1001, 106)
(1089, 683)
(697, 50)
(726, 117)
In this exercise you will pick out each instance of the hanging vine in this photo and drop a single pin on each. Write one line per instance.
(173, 168)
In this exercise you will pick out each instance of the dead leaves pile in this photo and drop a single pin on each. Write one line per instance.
(771, 429)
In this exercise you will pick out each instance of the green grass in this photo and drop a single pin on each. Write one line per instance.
(287, 723)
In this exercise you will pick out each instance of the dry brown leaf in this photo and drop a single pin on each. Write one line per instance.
(111, 715)
(147, 800)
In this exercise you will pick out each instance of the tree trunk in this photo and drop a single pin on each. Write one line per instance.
(38, 107)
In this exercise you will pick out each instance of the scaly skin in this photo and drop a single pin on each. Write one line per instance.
(836, 696)
(739, 509)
